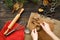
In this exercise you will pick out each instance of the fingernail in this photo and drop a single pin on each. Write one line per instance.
(43, 24)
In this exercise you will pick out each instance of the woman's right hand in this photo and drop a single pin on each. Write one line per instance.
(46, 27)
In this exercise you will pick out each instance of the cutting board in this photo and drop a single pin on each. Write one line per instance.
(40, 18)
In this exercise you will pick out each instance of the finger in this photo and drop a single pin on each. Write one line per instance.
(42, 26)
(32, 31)
(35, 30)
(45, 23)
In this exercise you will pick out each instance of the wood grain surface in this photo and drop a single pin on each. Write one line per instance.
(6, 15)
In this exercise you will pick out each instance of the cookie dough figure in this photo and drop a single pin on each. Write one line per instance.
(45, 2)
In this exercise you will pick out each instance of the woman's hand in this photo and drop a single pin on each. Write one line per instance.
(34, 34)
(46, 27)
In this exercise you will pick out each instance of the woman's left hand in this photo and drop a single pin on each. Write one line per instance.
(34, 34)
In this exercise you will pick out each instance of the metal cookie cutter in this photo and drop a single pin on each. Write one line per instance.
(52, 9)
(27, 31)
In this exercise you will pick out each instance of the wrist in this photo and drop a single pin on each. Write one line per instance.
(49, 32)
(53, 36)
(35, 39)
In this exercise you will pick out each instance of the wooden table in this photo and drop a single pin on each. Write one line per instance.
(5, 15)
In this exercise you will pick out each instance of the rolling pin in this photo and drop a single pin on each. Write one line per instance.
(14, 21)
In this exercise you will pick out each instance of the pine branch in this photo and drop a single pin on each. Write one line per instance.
(9, 3)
